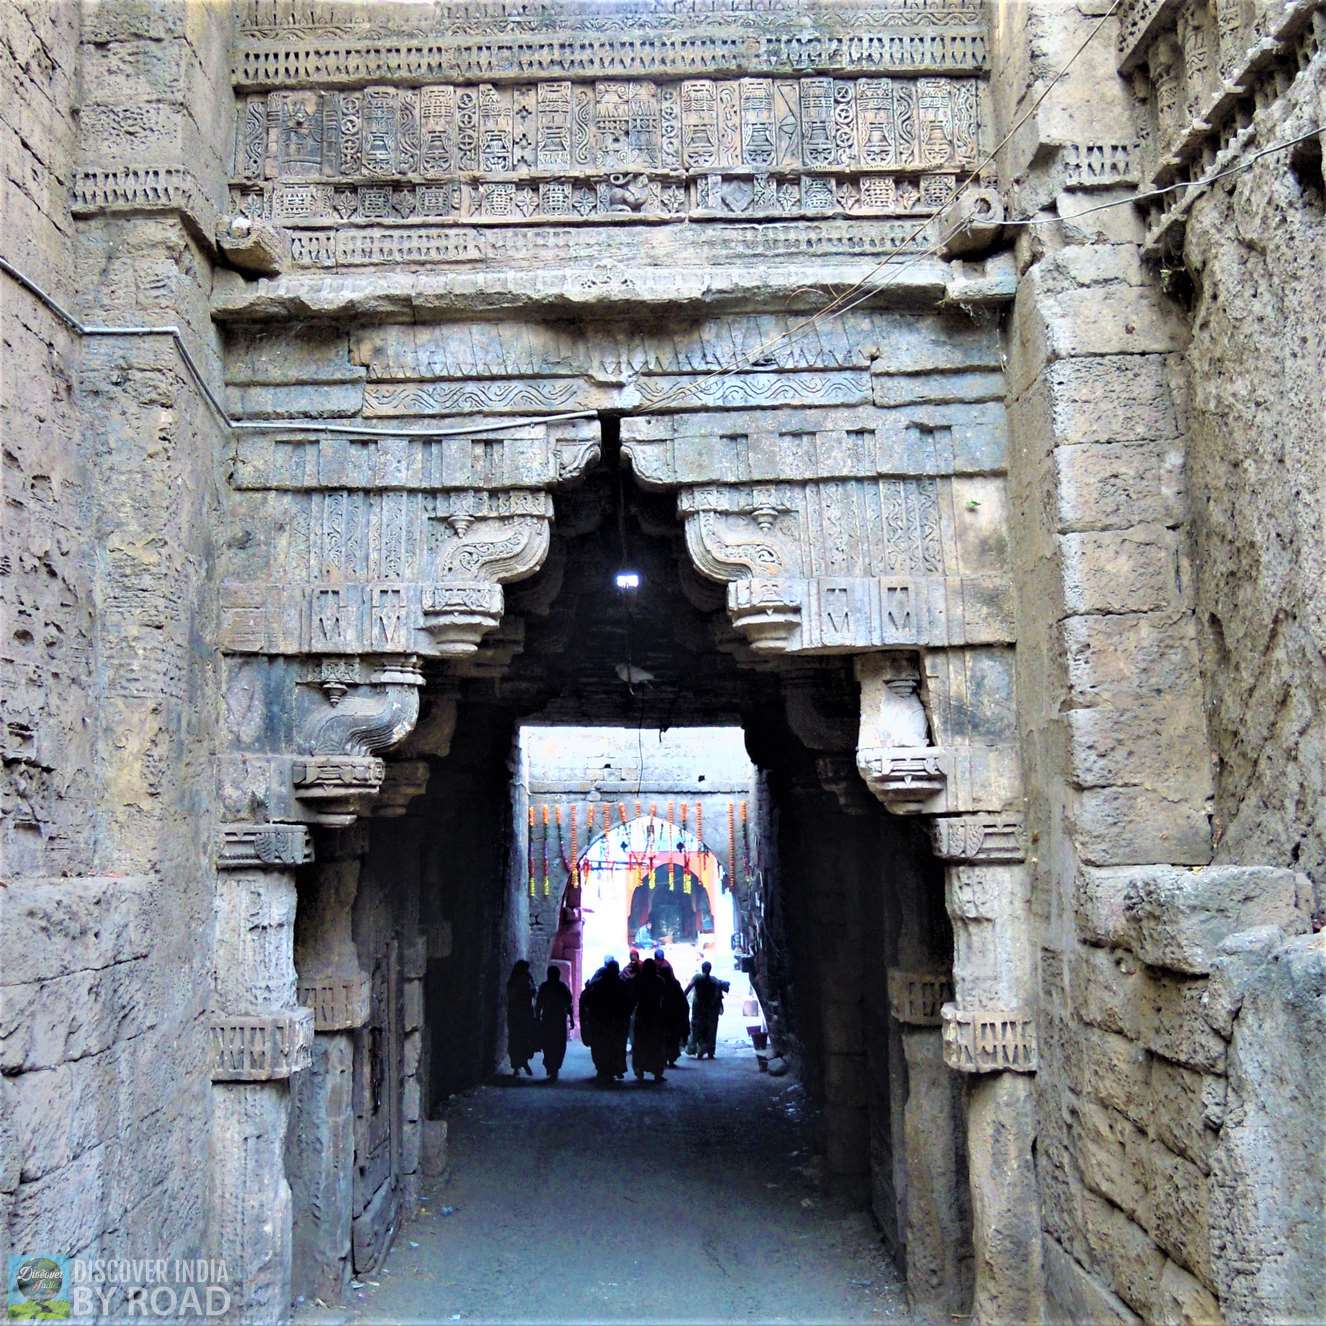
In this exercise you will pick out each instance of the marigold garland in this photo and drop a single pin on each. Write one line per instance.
(529, 853)
(547, 882)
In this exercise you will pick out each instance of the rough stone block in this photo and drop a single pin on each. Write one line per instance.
(1157, 744)
(1114, 571)
(1098, 906)
(1075, 1295)
(1238, 962)
(1114, 485)
(1116, 659)
(1185, 1111)
(1185, 1301)
(1115, 826)
(1180, 1210)
(1268, 1172)
(1177, 918)
(1112, 1156)
(1121, 1250)
(1113, 1070)
(413, 1000)
(1171, 1021)
(433, 1148)
(1105, 990)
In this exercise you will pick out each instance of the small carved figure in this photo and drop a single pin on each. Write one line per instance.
(626, 193)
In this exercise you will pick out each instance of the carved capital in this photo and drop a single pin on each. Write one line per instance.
(916, 997)
(979, 839)
(336, 789)
(838, 777)
(460, 613)
(894, 753)
(766, 612)
(989, 1040)
(339, 1002)
(404, 780)
(241, 846)
(261, 1049)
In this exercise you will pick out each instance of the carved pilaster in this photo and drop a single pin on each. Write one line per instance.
(979, 839)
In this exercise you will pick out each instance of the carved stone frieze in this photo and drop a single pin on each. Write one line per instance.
(989, 1040)
(400, 545)
(979, 838)
(339, 1002)
(241, 846)
(261, 1049)
(916, 997)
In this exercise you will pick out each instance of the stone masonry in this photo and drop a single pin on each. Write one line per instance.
(345, 346)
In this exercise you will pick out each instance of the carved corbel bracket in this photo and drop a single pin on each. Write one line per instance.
(894, 753)
(342, 771)
(766, 612)
(989, 1040)
(466, 602)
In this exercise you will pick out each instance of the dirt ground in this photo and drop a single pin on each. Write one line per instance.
(693, 1200)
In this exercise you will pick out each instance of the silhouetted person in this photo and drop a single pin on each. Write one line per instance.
(521, 1030)
(706, 1009)
(553, 1010)
(605, 1010)
(649, 1043)
(676, 1011)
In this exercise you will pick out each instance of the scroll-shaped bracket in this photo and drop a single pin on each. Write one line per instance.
(341, 772)
(466, 601)
(894, 753)
(745, 550)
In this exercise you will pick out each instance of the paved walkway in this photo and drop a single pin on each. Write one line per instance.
(678, 1202)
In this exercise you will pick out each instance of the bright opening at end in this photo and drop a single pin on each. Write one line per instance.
(639, 839)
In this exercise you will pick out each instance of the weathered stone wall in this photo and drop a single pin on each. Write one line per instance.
(111, 482)
(1144, 1160)
(1257, 471)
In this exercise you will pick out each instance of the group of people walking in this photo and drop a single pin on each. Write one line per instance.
(643, 1005)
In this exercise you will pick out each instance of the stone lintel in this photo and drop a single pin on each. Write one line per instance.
(916, 997)
(252, 1048)
(989, 1040)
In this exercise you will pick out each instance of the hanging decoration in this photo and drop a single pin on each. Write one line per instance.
(575, 854)
(745, 843)
(547, 882)
(529, 852)
(699, 833)
(621, 812)
(685, 853)
(731, 843)
(672, 841)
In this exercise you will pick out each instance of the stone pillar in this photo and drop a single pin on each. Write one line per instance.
(260, 1038)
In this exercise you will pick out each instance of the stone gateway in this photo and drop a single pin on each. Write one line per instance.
(947, 372)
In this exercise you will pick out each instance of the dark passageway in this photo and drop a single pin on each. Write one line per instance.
(691, 1201)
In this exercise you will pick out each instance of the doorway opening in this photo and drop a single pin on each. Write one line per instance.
(546, 823)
